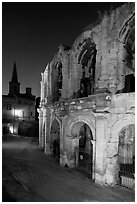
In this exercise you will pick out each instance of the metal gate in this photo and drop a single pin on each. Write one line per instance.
(126, 166)
(84, 161)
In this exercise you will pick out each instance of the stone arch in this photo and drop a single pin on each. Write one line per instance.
(55, 118)
(130, 119)
(74, 141)
(126, 38)
(56, 77)
(85, 57)
(86, 35)
(126, 156)
(82, 119)
(112, 149)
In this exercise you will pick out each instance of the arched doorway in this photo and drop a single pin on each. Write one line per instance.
(55, 138)
(84, 148)
(126, 156)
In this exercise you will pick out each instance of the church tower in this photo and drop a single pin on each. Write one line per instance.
(14, 85)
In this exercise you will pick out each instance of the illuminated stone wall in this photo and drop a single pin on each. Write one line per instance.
(91, 83)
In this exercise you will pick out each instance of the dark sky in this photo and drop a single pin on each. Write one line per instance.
(32, 33)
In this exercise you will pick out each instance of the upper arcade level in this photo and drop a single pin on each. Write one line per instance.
(101, 60)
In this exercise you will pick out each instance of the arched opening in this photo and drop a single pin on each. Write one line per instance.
(87, 60)
(126, 156)
(127, 35)
(57, 78)
(55, 139)
(130, 62)
(84, 148)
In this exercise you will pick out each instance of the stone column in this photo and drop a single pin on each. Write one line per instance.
(44, 131)
(42, 88)
(47, 131)
(100, 164)
(40, 127)
(68, 157)
(74, 142)
(94, 158)
(61, 141)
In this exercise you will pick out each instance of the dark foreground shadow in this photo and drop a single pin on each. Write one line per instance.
(6, 197)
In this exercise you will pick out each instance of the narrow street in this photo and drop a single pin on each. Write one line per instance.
(31, 176)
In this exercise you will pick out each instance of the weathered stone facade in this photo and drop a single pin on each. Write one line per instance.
(91, 83)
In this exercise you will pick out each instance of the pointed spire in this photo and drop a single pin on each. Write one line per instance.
(14, 74)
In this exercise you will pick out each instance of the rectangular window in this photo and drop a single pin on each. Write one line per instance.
(8, 106)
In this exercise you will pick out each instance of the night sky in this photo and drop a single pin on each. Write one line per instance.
(32, 33)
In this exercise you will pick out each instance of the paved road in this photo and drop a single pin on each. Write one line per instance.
(31, 176)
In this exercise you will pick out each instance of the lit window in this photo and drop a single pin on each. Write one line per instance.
(18, 113)
(8, 106)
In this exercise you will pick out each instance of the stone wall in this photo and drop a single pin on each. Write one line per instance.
(101, 60)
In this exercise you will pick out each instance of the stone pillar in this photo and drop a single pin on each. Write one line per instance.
(68, 156)
(94, 158)
(77, 70)
(100, 164)
(44, 130)
(42, 88)
(47, 131)
(40, 127)
(74, 142)
(61, 142)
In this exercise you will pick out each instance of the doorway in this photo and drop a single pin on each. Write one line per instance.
(126, 156)
(55, 139)
(84, 150)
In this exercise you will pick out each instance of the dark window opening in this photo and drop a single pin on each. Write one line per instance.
(129, 83)
(8, 106)
(57, 80)
(60, 77)
(88, 62)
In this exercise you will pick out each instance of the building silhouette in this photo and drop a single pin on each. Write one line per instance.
(18, 109)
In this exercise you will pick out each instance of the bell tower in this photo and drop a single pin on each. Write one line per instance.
(14, 85)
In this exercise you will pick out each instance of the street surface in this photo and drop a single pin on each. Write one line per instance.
(31, 176)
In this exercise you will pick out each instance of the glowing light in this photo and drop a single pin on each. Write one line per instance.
(11, 129)
(17, 113)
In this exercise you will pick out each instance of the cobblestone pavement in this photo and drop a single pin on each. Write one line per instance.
(28, 175)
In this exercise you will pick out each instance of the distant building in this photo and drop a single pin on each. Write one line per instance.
(18, 108)
(87, 107)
